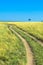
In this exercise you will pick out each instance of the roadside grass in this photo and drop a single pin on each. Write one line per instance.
(12, 50)
(33, 28)
(36, 48)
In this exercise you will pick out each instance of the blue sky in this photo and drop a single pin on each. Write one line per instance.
(21, 10)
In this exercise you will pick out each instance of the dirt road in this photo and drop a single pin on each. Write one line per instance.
(29, 54)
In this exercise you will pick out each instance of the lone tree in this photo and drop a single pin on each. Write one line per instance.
(29, 19)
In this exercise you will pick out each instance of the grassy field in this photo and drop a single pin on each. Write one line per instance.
(12, 50)
(36, 29)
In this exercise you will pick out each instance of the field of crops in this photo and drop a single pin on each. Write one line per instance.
(12, 50)
(37, 30)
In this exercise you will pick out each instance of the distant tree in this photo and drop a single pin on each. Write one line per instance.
(41, 20)
(29, 19)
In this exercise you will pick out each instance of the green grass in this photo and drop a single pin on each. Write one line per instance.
(12, 50)
(36, 48)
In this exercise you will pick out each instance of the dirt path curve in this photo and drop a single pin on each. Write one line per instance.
(29, 54)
